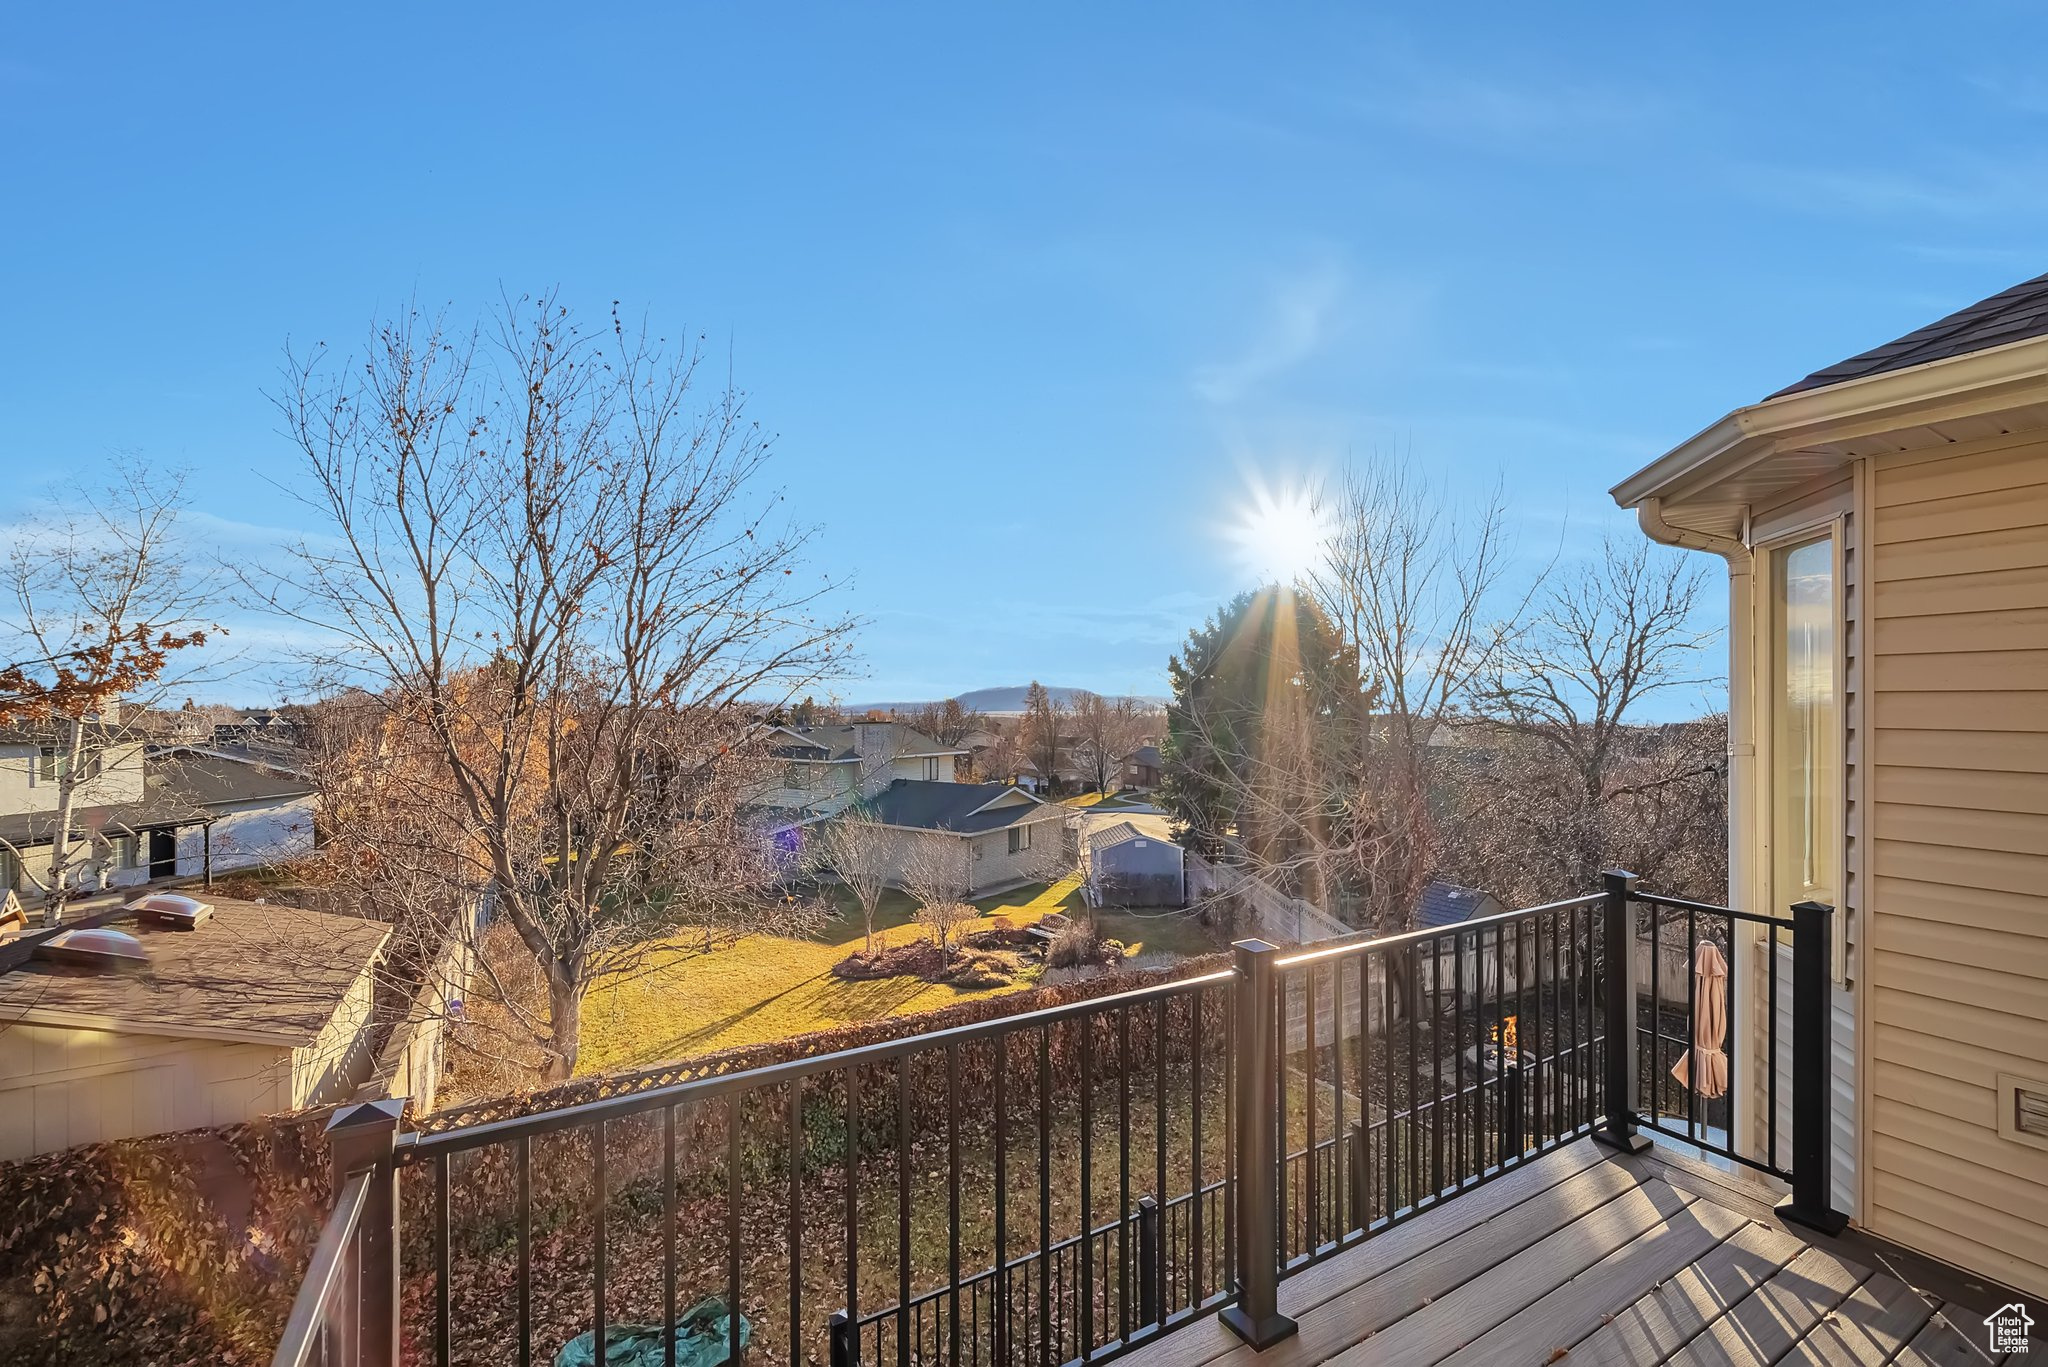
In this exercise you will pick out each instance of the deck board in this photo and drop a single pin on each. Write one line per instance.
(1581, 1257)
(1576, 1309)
(1950, 1339)
(1659, 1324)
(1414, 1282)
(1491, 1294)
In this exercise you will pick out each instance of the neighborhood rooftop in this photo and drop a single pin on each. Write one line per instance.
(254, 970)
(841, 744)
(955, 807)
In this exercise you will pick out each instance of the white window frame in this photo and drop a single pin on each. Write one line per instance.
(1020, 839)
(931, 768)
(1765, 665)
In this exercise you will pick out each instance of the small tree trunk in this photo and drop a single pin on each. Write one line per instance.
(565, 1024)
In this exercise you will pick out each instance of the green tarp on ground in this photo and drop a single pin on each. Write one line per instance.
(703, 1334)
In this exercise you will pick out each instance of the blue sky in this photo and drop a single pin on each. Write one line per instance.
(1028, 293)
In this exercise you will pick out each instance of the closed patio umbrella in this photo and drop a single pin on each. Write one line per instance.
(1709, 1025)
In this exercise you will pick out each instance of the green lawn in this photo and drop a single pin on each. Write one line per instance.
(768, 987)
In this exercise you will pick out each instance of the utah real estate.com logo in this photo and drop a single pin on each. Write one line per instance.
(2007, 1328)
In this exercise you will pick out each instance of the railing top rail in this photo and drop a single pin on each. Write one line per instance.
(1366, 941)
(309, 1307)
(1708, 908)
(415, 1147)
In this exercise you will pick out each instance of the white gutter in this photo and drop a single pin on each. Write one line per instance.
(1981, 381)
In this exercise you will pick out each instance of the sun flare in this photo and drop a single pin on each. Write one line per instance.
(1280, 531)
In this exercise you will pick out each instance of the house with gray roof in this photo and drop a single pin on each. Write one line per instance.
(1003, 834)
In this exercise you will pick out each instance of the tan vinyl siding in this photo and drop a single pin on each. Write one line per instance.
(1956, 961)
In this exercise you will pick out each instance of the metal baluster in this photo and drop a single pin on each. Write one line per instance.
(1387, 1145)
(526, 1251)
(953, 1203)
(796, 1223)
(1311, 1188)
(1196, 1048)
(1656, 1069)
(1463, 1152)
(732, 1228)
(601, 1198)
(441, 1258)
(1692, 1018)
(852, 1201)
(1771, 955)
(1158, 1274)
(902, 1209)
(1044, 1192)
(1436, 1069)
(1086, 1284)
(999, 1310)
(1363, 1215)
(1123, 1173)
(668, 1236)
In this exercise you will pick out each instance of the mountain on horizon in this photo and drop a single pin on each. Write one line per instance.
(997, 701)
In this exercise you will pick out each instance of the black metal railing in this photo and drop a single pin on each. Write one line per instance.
(1687, 1082)
(1057, 1186)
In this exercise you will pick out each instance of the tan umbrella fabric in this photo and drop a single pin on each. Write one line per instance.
(1709, 1025)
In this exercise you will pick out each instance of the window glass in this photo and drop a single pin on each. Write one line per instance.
(1806, 798)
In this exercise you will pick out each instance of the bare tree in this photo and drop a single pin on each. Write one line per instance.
(1413, 581)
(104, 603)
(946, 722)
(1041, 733)
(859, 853)
(549, 563)
(1604, 639)
(1000, 759)
(937, 876)
(1106, 733)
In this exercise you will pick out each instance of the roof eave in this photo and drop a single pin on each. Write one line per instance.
(1898, 398)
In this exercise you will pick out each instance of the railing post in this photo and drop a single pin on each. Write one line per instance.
(1256, 1316)
(1812, 1200)
(362, 1137)
(1148, 1261)
(841, 1328)
(1618, 989)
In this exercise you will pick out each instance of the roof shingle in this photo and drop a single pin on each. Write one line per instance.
(2011, 315)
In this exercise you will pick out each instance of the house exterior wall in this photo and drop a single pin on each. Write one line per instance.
(61, 1086)
(1957, 953)
(911, 766)
(246, 835)
(339, 1057)
(23, 791)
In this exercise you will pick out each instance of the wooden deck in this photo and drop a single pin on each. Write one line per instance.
(1583, 1257)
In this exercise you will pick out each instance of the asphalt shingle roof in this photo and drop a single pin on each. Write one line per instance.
(951, 806)
(271, 970)
(1446, 904)
(2009, 316)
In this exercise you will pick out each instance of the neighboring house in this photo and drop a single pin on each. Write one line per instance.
(826, 767)
(261, 1009)
(1481, 970)
(1129, 868)
(1141, 770)
(1445, 904)
(1885, 528)
(144, 815)
(1004, 835)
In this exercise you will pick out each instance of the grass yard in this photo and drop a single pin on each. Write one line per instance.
(767, 987)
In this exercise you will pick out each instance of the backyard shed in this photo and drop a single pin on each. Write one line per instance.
(260, 1009)
(1129, 868)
